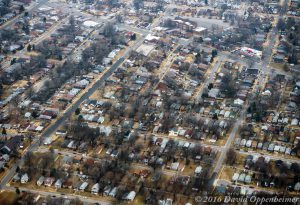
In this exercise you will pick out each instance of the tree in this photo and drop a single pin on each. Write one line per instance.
(72, 26)
(18, 169)
(109, 30)
(29, 48)
(231, 156)
(138, 4)
(13, 61)
(119, 18)
(215, 117)
(281, 24)
(133, 37)
(228, 86)
(112, 3)
(21, 9)
(18, 191)
(286, 67)
(214, 53)
(5, 7)
(77, 111)
(1, 89)
(4, 131)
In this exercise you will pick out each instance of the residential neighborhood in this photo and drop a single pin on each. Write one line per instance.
(162, 102)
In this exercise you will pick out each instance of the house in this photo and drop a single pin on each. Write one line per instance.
(174, 166)
(237, 141)
(277, 148)
(165, 202)
(198, 170)
(130, 196)
(288, 151)
(24, 178)
(243, 142)
(242, 177)
(249, 143)
(58, 184)
(77, 186)
(95, 188)
(61, 133)
(2, 164)
(107, 190)
(67, 184)
(254, 144)
(16, 178)
(40, 181)
(259, 145)
(235, 177)
(271, 147)
(113, 192)
(297, 186)
(173, 132)
(11, 145)
(248, 179)
(49, 181)
(282, 149)
(83, 186)
(5, 157)
(213, 93)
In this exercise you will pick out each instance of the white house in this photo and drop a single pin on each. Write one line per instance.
(113, 192)
(40, 181)
(198, 170)
(235, 177)
(58, 184)
(83, 186)
(297, 186)
(24, 178)
(95, 188)
(130, 196)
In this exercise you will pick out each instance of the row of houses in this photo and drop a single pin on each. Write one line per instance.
(267, 146)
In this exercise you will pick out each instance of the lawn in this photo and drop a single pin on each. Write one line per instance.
(8, 198)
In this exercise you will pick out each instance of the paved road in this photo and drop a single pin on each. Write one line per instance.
(229, 141)
(264, 70)
(209, 78)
